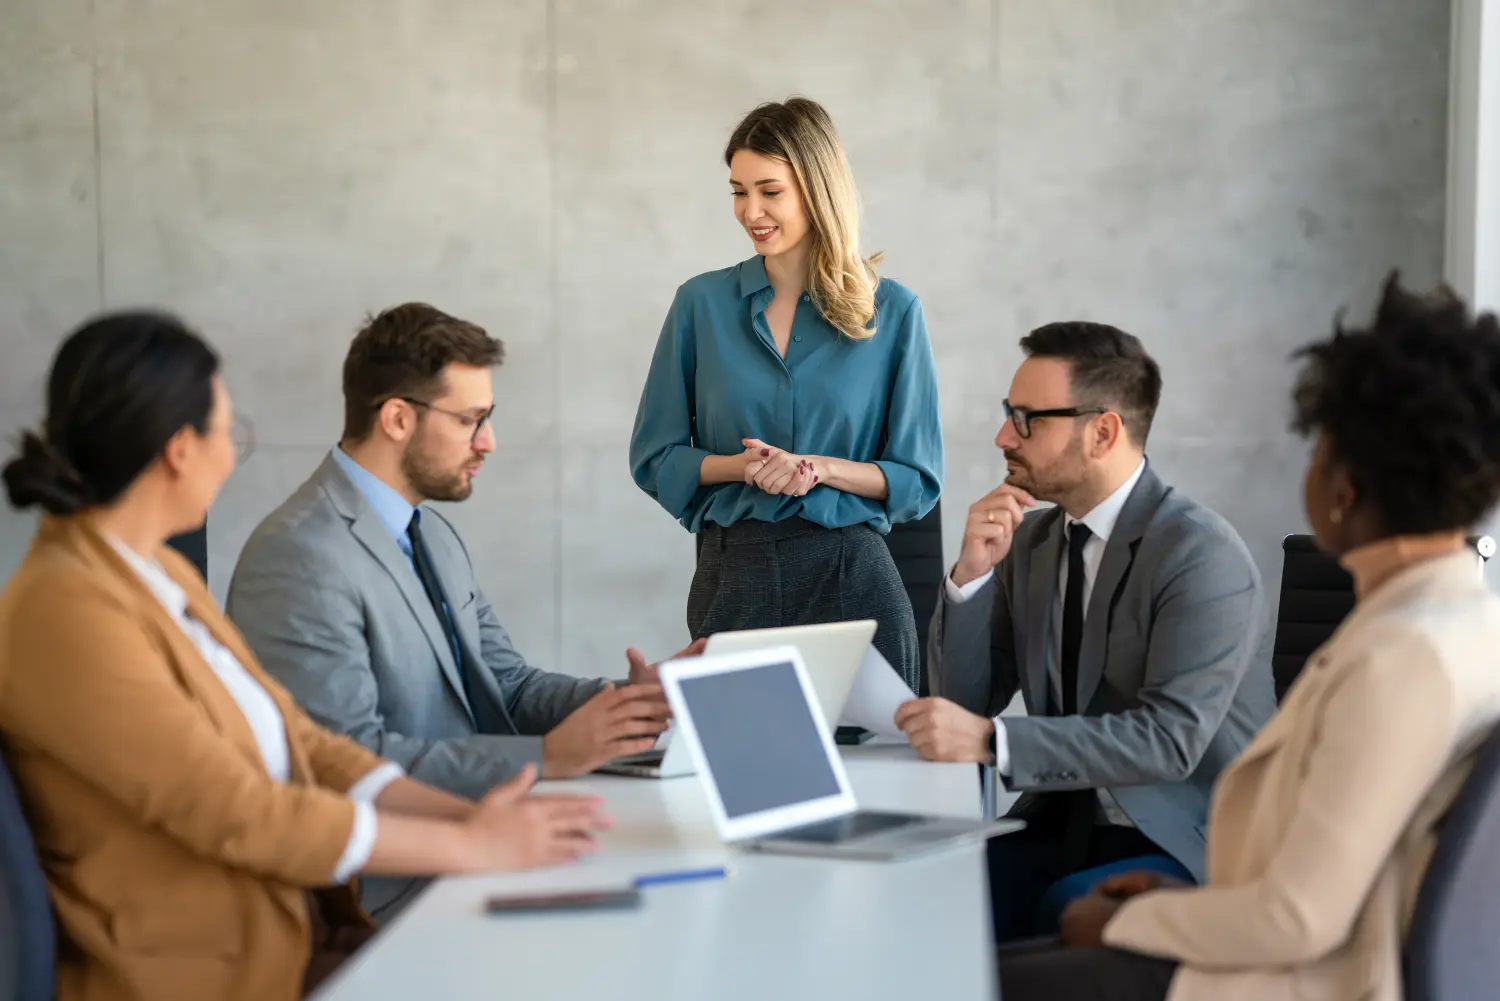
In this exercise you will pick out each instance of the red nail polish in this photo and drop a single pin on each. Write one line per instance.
(765, 453)
(815, 479)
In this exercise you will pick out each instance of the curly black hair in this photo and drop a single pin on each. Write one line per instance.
(1411, 407)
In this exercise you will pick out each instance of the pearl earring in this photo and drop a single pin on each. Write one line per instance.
(1336, 516)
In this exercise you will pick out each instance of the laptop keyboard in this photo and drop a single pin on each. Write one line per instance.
(855, 825)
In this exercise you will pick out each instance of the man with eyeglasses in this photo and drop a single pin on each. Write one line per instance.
(1130, 619)
(362, 600)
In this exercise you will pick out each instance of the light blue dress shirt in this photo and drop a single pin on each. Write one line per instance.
(717, 378)
(395, 513)
(393, 510)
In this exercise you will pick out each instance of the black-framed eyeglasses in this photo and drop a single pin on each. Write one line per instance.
(1022, 417)
(464, 420)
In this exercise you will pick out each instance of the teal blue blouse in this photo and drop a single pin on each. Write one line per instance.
(717, 377)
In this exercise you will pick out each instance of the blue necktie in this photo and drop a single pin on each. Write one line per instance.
(428, 576)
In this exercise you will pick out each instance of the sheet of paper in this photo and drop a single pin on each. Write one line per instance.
(878, 691)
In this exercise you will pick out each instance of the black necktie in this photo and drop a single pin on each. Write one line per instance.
(1072, 623)
(1081, 806)
(425, 573)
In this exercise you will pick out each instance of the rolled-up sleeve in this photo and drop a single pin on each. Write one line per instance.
(361, 841)
(369, 788)
(664, 462)
(912, 459)
(359, 847)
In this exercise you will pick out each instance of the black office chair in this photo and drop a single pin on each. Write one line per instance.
(193, 545)
(917, 548)
(28, 934)
(1316, 595)
(1450, 949)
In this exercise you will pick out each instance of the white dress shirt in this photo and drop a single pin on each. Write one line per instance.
(262, 714)
(1101, 522)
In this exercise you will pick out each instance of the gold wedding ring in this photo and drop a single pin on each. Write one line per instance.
(989, 516)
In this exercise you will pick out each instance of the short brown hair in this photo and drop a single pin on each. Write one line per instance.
(401, 352)
(1110, 369)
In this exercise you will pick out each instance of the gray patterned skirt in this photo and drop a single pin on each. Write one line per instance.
(759, 575)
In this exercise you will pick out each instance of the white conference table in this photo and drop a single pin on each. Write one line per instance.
(778, 927)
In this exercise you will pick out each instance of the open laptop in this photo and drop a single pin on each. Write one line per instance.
(774, 779)
(832, 653)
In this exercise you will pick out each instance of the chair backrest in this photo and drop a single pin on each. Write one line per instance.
(1450, 947)
(1316, 595)
(28, 935)
(917, 548)
(193, 545)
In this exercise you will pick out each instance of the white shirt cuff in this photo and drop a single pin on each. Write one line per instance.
(361, 844)
(959, 595)
(1002, 748)
(369, 788)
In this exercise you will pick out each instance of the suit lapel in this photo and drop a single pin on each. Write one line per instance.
(186, 662)
(448, 562)
(1119, 554)
(207, 687)
(204, 610)
(374, 537)
(366, 526)
(1041, 587)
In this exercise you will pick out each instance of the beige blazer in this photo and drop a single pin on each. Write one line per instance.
(1321, 831)
(176, 864)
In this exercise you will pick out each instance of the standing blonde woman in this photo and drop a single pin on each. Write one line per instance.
(790, 415)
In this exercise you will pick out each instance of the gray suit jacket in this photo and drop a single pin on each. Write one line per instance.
(1174, 674)
(335, 612)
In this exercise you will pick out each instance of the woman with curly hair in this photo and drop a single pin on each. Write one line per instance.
(790, 415)
(1321, 831)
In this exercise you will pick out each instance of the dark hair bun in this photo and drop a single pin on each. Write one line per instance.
(120, 387)
(41, 475)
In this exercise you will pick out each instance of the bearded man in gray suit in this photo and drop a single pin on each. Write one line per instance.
(362, 600)
(1130, 618)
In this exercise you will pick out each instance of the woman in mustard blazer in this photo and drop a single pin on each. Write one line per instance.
(183, 806)
(1321, 830)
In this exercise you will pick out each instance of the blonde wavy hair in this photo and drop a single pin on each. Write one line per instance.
(840, 280)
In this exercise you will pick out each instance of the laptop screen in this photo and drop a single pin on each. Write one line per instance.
(759, 738)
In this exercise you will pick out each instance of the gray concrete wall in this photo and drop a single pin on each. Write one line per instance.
(1217, 177)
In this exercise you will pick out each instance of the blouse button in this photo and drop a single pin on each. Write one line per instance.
(798, 338)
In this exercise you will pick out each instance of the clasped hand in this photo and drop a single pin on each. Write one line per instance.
(778, 472)
(1084, 920)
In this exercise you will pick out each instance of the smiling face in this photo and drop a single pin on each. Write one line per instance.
(768, 202)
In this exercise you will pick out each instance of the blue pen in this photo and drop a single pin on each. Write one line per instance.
(681, 876)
